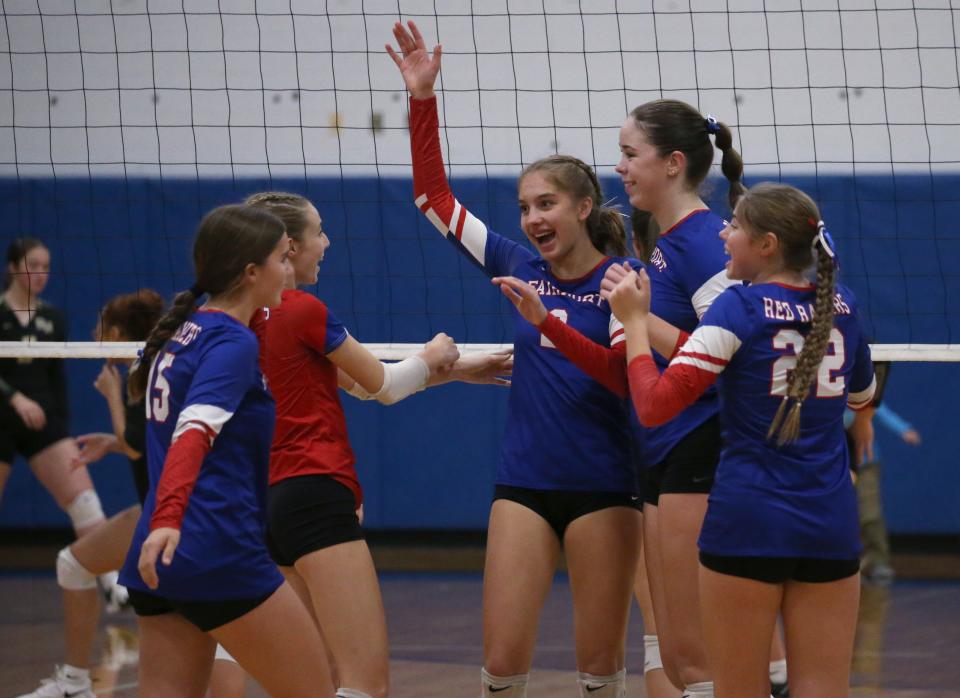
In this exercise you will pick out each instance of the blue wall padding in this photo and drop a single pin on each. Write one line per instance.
(429, 463)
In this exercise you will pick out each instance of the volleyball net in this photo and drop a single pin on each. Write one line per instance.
(122, 123)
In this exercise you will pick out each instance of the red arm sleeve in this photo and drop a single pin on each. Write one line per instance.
(659, 398)
(607, 366)
(180, 471)
(681, 340)
(430, 187)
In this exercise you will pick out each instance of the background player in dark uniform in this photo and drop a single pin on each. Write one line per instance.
(209, 425)
(314, 532)
(565, 475)
(33, 392)
(126, 318)
(780, 534)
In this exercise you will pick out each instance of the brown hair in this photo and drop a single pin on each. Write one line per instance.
(577, 178)
(646, 232)
(794, 218)
(227, 240)
(289, 208)
(670, 125)
(16, 251)
(133, 314)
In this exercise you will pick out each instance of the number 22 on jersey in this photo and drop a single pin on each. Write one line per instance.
(828, 384)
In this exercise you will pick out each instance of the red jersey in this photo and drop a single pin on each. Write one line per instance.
(311, 432)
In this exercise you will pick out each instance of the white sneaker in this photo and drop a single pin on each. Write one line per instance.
(62, 686)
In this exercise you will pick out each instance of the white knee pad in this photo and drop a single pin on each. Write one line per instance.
(703, 689)
(85, 510)
(350, 693)
(71, 574)
(651, 653)
(503, 686)
(612, 686)
(222, 653)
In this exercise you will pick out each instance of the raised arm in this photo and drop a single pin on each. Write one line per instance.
(432, 194)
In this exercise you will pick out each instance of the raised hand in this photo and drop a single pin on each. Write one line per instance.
(161, 540)
(522, 295)
(109, 383)
(630, 298)
(440, 353)
(419, 68)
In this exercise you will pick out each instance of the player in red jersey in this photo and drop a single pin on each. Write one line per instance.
(313, 527)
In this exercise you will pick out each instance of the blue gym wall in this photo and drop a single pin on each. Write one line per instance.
(429, 463)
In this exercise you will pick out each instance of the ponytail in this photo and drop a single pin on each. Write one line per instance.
(167, 325)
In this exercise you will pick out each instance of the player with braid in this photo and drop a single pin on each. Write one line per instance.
(210, 421)
(780, 533)
(565, 478)
(313, 530)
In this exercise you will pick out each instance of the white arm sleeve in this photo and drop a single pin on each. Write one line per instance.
(400, 380)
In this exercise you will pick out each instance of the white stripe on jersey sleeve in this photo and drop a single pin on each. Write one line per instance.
(705, 295)
(862, 398)
(431, 215)
(207, 418)
(617, 334)
(711, 344)
(473, 236)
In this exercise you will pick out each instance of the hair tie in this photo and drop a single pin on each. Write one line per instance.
(823, 239)
(713, 126)
(196, 290)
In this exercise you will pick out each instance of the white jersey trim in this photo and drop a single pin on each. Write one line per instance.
(617, 333)
(474, 235)
(207, 418)
(861, 398)
(704, 296)
(710, 341)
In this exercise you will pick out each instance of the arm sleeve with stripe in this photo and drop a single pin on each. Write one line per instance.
(496, 255)
(606, 365)
(658, 398)
(224, 375)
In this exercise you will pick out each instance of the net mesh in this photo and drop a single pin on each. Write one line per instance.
(122, 122)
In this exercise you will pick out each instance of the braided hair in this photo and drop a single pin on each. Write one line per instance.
(577, 178)
(289, 208)
(793, 217)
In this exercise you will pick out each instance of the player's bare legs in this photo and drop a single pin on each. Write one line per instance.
(820, 622)
(522, 555)
(278, 645)
(655, 679)
(345, 597)
(100, 551)
(680, 517)
(655, 580)
(175, 657)
(602, 551)
(739, 618)
(52, 468)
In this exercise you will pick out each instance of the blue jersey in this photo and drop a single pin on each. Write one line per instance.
(798, 499)
(565, 431)
(208, 375)
(687, 272)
